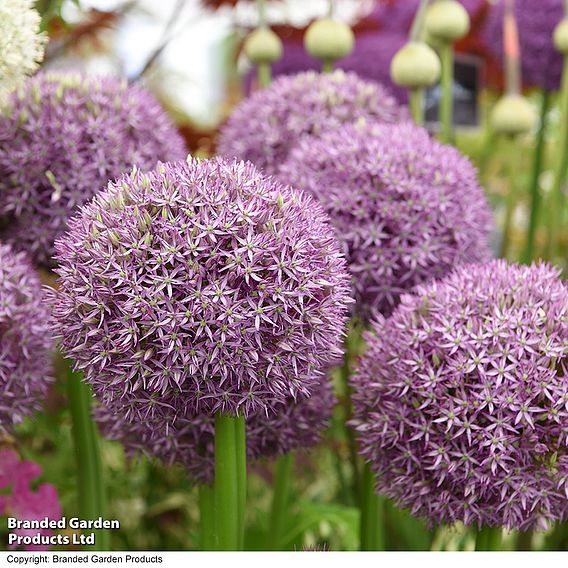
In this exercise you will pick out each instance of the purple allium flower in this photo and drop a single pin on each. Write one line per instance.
(370, 59)
(406, 208)
(62, 137)
(25, 344)
(541, 64)
(19, 500)
(268, 124)
(297, 424)
(201, 286)
(461, 398)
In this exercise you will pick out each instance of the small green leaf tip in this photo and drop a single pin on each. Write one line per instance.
(446, 21)
(329, 40)
(415, 65)
(263, 46)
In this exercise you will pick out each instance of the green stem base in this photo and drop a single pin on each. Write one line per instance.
(372, 514)
(90, 485)
(280, 501)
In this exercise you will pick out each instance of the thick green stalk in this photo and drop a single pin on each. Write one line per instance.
(510, 201)
(280, 501)
(241, 449)
(556, 197)
(206, 517)
(446, 99)
(488, 538)
(528, 252)
(524, 540)
(327, 66)
(90, 484)
(226, 485)
(264, 74)
(416, 97)
(372, 514)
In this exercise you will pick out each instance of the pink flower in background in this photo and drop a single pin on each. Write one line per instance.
(21, 501)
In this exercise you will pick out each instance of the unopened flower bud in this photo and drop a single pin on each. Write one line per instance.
(512, 115)
(329, 40)
(415, 66)
(446, 20)
(263, 46)
(561, 37)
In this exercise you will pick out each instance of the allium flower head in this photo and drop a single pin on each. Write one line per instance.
(202, 285)
(541, 64)
(61, 139)
(268, 124)
(21, 44)
(294, 425)
(19, 500)
(461, 398)
(25, 345)
(405, 207)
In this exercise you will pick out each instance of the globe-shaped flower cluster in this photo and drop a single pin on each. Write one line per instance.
(541, 64)
(296, 425)
(405, 207)
(62, 137)
(201, 285)
(21, 43)
(267, 125)
(25, 344)
(461, 400)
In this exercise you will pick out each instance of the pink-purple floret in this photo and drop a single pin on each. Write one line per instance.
(461, 400)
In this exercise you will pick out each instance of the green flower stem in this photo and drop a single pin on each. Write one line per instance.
(90, 485)
(206, 517)
(227, 499)
(241, 448)
(538, 156)
(446, 100)
(488, 538)
(372, 514)
(280, 501)
(264, 74)
(556, 199)
(327, 66)
(524, 540)
(510, 202)
(416, 97)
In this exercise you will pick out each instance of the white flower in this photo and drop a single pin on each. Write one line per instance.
(21, 43)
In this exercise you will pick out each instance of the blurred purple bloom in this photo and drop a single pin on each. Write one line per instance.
(25, 343)
(17, 499)
(294, 425)
(202, 287)
(268, 124)
(406, 208)
(541, 63)
(62, 137)
(461, 400)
